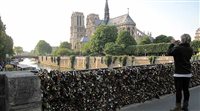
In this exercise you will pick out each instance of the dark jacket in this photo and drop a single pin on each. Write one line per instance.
(182, 55)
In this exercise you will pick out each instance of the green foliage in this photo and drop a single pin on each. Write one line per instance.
(6, 42)
(43, 48)
(114, 58)
(62, 52)
(58, 60)
(131, 50)
(195, 45)
(18, 50)
(144, 40)
(108, 60)
(72, 60)
(103, 35)
(124, 60)
(33, 52)
(148, 49)
(113, 49)
(195, 58)
(120, 59)
(65, 45)
(152, 59)
(163, 39)
(87, 62)
(125, 38)
(86, 49)
(132, 60)
(52, 59)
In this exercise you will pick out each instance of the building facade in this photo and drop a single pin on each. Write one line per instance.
(123, 22)
(197, 34)
(77, 29)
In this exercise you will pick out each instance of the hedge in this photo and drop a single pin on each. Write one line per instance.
(155, 49)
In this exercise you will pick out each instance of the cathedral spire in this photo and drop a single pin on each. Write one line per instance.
(106, 13)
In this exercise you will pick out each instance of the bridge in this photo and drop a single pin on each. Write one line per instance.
(24, 56)
(167, 102)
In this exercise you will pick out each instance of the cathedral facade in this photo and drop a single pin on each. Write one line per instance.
(197, 34)
(80, 34)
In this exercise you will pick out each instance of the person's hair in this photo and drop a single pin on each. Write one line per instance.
(185, 38)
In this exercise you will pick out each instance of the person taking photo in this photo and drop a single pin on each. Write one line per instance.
(182, 53)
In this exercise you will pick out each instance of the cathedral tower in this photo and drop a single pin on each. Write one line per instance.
(92, 22)
(106, 13)
(77, 29)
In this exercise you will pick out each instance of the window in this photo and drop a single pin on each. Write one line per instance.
(80, 21)
(77, 20)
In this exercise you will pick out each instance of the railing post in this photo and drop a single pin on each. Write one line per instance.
(19, 91)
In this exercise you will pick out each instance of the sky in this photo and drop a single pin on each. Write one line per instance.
(28, 21)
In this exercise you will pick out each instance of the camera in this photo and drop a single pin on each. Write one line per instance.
(177, 42)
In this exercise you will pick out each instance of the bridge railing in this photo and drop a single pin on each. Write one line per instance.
(108, 89)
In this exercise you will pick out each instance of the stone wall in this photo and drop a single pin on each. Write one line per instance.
(98, 62)
(20, 91)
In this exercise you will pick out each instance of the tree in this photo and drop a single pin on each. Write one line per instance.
(103, 35)
(144, 40)
(131, 50)
(195, 45)
(85, 50)
(65, 45)
(18, 50)
(163, 39)
(113, 49)
(6, 42)
(170, 38)
(124, 38)
(43, 48)
(62, 52)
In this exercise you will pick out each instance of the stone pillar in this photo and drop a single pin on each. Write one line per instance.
(19, 91)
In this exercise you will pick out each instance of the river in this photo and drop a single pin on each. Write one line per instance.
(34, 63)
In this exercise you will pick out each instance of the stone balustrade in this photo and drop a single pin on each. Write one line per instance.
(98, 62)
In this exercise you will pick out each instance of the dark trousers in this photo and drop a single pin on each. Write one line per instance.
(182, 84)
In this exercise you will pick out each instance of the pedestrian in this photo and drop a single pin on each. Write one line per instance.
(182, 53)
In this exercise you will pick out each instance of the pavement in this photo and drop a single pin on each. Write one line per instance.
(167, 102)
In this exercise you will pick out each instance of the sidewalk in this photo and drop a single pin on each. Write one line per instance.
(166, 102)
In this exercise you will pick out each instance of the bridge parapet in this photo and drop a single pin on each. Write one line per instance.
(109, 89)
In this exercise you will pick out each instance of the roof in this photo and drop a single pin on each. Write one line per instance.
(84, 39)
(122, 20)
(98, 22)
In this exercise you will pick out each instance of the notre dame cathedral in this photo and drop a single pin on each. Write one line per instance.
(80, 33)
